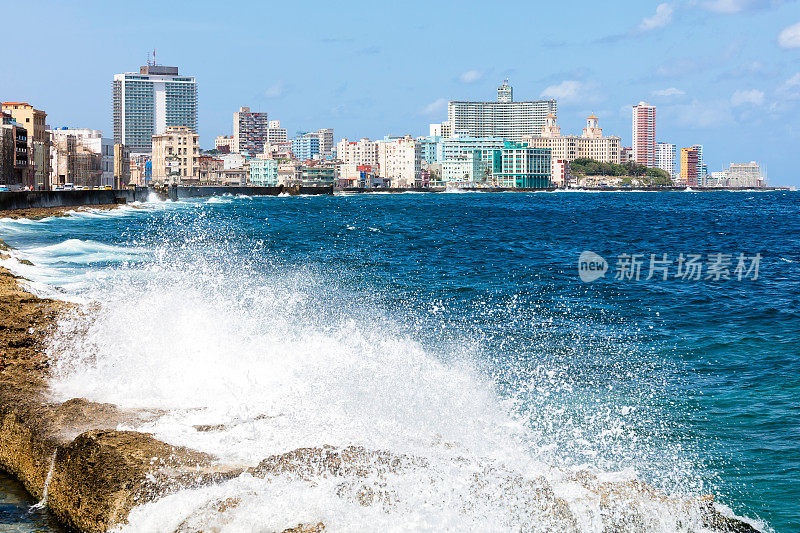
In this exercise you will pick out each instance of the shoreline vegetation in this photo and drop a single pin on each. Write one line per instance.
(90, 475)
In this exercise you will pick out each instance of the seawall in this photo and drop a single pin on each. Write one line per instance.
(203, 191)
(37, 199)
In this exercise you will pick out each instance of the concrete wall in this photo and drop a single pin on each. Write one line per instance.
(204, 191)
(32, 199)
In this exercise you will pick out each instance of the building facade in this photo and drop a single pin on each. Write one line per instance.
(276, 134)
(263, 172)
(150, 101)
(400, 161)
(590, 144)
(326, 145)
(306, 147)
(122, 166)
(224, 143)
(504, 118)
(175, 156)
(33, 120)
(690, 167)
(250, 131)
(466, 170)
(524, 167)
(14, 160)
(88, 173)
(744, 175)
(361, 152)
(644, 134)
(665, 158)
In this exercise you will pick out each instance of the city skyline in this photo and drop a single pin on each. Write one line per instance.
(740, 98)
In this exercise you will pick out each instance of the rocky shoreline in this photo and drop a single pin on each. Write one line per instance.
(91, 475)
(35, 213)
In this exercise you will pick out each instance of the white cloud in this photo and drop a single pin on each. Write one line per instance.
(434, 107)
(471, 76)
(701, 115)
(662, 17)
(727, 6)
(753, 96)
(790, 36)
(573, 92)
(275, 91)
(790, 89)
(672, 91)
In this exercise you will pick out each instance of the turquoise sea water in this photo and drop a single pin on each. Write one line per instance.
(458, 317)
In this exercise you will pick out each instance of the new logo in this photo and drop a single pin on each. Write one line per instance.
(591, 266)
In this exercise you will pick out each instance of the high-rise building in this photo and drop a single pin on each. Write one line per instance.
(33, 120)
(505, 118)
(590, 144)
(250, 131)
(665, 158)
(325, 142)
(306, 147)
(690, 169)
(702, 168)
(175, 156)
(150, 101)
(644, 134)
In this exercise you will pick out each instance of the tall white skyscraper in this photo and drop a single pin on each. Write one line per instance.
(150, 101)
(644, 134)
(504, 118)
(665, 158)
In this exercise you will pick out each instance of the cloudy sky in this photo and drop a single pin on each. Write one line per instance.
(723, 73)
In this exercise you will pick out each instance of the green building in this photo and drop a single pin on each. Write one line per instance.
(521, 166)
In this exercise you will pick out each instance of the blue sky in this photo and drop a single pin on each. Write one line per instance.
(723, 73)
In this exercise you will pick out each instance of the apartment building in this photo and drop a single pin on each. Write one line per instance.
(250, 131)
(175, 156)
(400, 161)
(644, 134)
(33, 120)
(361, 152)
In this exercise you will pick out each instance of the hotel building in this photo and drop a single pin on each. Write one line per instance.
(590, 144)
(504, 118)
(150, 101)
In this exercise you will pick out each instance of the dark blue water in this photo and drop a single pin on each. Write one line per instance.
(694, 383)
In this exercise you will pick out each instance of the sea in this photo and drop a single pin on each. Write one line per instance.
(523, 353)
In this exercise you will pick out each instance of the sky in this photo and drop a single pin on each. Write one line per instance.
(722, 73)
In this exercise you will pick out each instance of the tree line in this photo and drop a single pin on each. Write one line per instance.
(583, 166)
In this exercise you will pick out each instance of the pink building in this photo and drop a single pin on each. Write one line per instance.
(644, 134)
